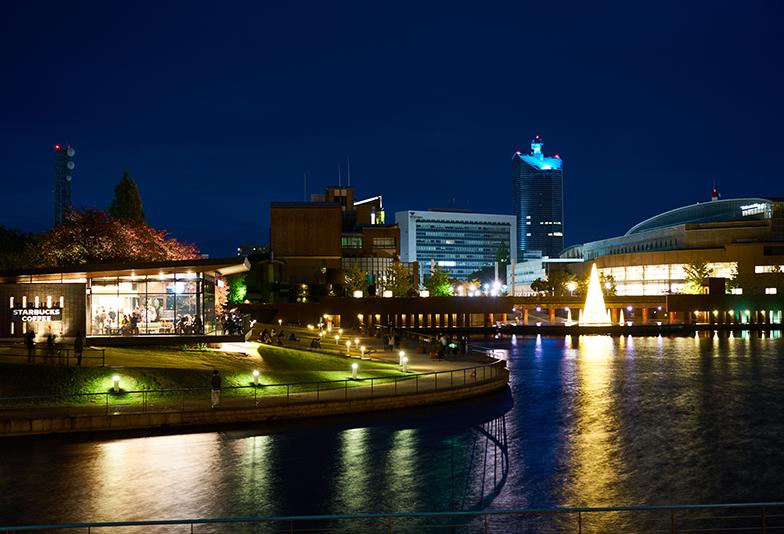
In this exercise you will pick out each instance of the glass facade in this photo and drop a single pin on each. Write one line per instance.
(659, 279)
(537, 193)
(459, 247)
(182, 303)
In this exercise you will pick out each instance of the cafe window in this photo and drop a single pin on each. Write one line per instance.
(351, 241)
(383, 242)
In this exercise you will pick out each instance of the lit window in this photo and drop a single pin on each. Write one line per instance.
(351, 242)
(383, 242)
(528, 234)
(737, 291)
(770, 291)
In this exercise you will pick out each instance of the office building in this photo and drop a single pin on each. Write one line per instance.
(318, 240)
(461, 243)
(537, 192)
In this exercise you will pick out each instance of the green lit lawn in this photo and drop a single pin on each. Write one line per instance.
(171, 368)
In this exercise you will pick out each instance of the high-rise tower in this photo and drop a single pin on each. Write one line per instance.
(537, 191)
(63, 170)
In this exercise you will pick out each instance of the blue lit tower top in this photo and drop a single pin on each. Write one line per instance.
(537, 191)
(63, 169)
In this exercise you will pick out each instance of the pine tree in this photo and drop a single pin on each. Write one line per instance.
(127, 203)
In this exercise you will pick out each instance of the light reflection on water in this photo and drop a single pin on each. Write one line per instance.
(596, 421)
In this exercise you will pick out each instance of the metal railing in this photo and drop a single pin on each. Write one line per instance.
(58, 355)
(716, 518)
(250, 396)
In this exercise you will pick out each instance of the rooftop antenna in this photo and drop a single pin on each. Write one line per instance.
(348, 170)
(340, 178)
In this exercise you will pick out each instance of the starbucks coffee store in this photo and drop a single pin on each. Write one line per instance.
(158, 300)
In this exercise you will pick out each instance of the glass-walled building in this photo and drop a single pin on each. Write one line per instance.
(460, 243)
(174, 298)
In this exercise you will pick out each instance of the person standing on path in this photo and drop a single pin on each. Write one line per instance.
(29, 340)
(215, 388)
(78, 348)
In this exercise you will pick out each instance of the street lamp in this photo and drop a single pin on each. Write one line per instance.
(354, 367)
(280, 322)
(402, 355)
(255, 378)
(404, 363)
(571, 286)
(348, 348)
(116, 380)
(362, 350)
(337, 340)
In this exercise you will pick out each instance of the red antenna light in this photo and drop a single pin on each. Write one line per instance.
(518, 152)
(557, 156)
(57, 147)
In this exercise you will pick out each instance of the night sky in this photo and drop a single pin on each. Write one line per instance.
(217, 109)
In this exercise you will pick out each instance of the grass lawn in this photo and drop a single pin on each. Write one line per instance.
(171, 368)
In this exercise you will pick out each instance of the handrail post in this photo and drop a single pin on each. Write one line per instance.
(395, 385)
(107, 403)
(435, 380)
(371, 388)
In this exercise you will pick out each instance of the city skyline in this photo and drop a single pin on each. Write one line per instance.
(240, 115)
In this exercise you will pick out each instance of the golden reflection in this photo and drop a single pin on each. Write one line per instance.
(401, 465)
(254, 473)
(596, 449)
(353, 477)
(147, 477)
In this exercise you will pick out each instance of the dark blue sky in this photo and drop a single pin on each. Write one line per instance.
(216, 110)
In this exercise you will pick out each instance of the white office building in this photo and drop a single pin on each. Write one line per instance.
(459, 242)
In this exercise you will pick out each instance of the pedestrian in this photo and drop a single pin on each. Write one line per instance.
(386, 343)
(29, 340)
(215, 392)
(78, 348)
(50, 345)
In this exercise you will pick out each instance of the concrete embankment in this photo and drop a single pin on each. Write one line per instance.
(32, 425)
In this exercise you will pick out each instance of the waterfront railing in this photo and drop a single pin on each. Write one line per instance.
(249, 396)
(767, 517)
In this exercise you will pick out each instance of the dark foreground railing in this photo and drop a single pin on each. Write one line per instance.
(714, 518)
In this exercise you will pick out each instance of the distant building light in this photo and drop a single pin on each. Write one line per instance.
(446, 263)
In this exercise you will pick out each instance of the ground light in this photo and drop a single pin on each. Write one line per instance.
(362, 351)
(402, 355)
(354, 367)
(116, 380)
(280, 322)
(337, 339)
(255, 378)
(404, 363)
(356, 342)
(348, 348)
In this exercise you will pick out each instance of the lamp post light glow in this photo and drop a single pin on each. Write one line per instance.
(280, 322)
(354, 367)
(404, 363)
(116, 380)
(362, 351)
(337, 340)
(348, 348)
(356, 342)
(402, 355)
(340, 331)
(571, 286)
(255, 378)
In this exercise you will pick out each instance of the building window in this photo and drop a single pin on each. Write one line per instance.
(770, 291)
(383, 242)
(351, 241)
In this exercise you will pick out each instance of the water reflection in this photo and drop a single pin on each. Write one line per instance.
(595, 421)
(595, 455)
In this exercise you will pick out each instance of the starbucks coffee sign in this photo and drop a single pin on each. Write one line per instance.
(36, 315)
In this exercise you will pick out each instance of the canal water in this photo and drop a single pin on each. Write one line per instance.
(588, 421)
